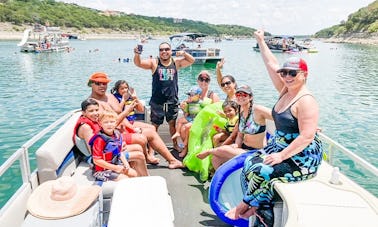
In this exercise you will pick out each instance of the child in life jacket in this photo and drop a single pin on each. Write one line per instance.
(230, 111)
(110, 162)
(191, 107)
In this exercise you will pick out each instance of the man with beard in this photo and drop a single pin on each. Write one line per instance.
(164, 99)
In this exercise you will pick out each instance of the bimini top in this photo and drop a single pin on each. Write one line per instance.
(191, 35)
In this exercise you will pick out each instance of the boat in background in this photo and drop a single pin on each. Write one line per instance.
(42, 39)
(307, 45)
(201, 55)
(279, 44)
(287, 44)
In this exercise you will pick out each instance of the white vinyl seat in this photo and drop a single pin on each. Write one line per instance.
(317, 202)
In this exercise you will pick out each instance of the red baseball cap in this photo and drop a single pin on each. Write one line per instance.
(294, 63)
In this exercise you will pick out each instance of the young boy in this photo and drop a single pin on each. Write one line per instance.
(109, 159)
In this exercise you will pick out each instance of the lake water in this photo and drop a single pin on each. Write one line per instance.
(36, 89)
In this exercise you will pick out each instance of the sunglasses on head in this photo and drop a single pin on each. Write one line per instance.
(226, 83)
(292, 73)
(100, 83)
(164, 49)
(241, 95)
(207, 80)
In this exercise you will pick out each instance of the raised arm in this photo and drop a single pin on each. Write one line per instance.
(185, 61)
(270, 61)
(219, 71)
(145, 63)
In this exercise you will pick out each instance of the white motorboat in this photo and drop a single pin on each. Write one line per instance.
(42, 39)
(186, 41)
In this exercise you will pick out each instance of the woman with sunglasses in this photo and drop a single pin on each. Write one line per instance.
(227, 83)
(206, 97)
(295, 151)
(250, 133)
(203, 81)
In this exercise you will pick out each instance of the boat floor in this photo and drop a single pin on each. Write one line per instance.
(189, 195)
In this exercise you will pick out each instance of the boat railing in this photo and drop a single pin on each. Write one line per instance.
(333, 147)
(22, 153)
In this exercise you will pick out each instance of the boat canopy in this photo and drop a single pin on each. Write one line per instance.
(191, 35)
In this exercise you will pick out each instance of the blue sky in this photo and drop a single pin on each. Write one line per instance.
(291, 17)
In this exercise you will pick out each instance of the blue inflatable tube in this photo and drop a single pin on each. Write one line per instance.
(225, 190)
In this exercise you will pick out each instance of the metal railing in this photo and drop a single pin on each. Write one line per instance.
(22, 154)
(334, 147)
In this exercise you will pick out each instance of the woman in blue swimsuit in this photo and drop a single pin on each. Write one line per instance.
(250, 129)
(295, 151)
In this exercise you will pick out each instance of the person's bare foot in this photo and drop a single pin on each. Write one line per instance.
(203, 154)
(176, 135)
(231, 214)
(183, 153)
(175, 164)
(251, 211)
(152, 160)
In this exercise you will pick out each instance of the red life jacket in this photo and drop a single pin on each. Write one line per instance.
(84, 120)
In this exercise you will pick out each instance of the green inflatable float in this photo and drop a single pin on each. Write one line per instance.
(200, 138)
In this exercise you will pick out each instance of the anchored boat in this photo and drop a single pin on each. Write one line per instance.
(176, 197)
(43, 39)
(186, 41)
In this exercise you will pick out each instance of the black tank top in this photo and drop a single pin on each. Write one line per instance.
(165, 84)
(285, 121)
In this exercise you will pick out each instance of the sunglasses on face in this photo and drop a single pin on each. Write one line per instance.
(292, 73)
(100, 83)
(164, 49)
(241, 95)
(226, 83)
(207, 80)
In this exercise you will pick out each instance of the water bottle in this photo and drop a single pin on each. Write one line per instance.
(180, 143)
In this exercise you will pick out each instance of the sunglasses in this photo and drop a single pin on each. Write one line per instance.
(241, 95)
(100, 83)
(292, 73)
(226, 83)
(164, 49)
(207, 80)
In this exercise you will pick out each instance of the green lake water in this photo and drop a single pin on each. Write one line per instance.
(37, 89)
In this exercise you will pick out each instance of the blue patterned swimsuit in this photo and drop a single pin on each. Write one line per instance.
(299, 167)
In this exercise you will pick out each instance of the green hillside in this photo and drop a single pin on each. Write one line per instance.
(21, 12)
(363, 22)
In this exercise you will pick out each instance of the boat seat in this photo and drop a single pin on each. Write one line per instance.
(317, 202)
(89, 218)
(83, 175)
(59, 157)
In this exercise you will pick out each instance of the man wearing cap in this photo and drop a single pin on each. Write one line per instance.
(164, 99)
(99, 83)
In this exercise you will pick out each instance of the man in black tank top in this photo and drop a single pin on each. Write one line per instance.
(164, 99)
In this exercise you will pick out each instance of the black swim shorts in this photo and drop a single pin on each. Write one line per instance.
(158, 111)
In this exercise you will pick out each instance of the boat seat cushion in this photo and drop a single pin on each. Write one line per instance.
(55, 150)
(83, 175)
(331, 203)
(89, 218)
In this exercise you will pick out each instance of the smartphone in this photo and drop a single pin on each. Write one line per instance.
(140, 48)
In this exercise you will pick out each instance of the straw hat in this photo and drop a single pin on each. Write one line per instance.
(61, 198)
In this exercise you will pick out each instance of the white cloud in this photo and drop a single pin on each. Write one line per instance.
(276, 16)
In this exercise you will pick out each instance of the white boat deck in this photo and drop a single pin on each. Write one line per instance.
(317, 202)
